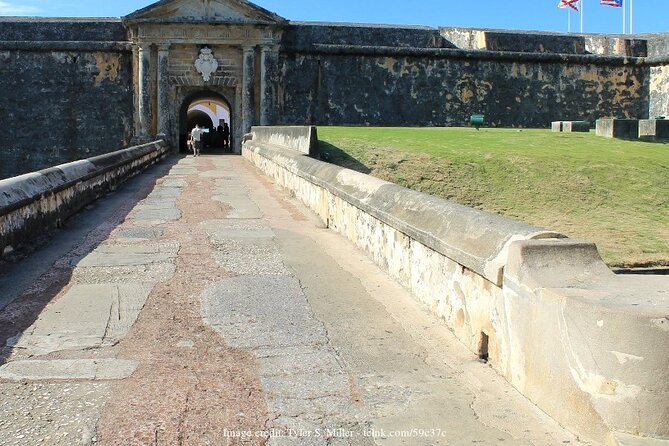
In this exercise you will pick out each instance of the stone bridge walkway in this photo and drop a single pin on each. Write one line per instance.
(200, 305)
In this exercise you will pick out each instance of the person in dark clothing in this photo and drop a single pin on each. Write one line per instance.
(226, 135)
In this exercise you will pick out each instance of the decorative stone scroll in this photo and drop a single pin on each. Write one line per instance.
(206, 64)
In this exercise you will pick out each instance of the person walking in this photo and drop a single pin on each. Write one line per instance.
(226, 135)
(196, 137)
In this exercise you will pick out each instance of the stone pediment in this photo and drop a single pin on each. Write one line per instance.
(204, 11)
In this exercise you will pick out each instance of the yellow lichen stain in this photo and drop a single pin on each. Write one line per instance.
(590, 75)
(464, 90)
(519, 70)
(389, 64)
(514, 70)
(624, 86)
(468, 88)
(108, 66)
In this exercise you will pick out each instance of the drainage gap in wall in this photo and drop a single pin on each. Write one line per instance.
(483, 347)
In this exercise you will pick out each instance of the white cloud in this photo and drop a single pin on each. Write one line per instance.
(10, 9)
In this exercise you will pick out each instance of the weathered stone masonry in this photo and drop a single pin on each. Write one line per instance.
(413, 81)
(65, 92)
(72, 88)
(658, 59)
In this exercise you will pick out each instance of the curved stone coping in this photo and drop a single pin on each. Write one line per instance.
(303, 139)
(18, 191)
(452, 53)
(607, 335)
(32, 203)
(475, 239)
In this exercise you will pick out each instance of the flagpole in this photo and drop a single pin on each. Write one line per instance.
(582, 2)
(631, 16)
(624, 19)
(569, 20)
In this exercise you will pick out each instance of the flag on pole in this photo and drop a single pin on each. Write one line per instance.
(614, 3)
(573, 4)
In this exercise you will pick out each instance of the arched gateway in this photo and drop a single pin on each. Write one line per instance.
(189, 49)
(208, 109)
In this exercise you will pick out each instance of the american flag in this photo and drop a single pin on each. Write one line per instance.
(573, 4)
(614, 3)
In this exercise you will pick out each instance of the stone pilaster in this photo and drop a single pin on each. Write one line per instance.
(265, 72)
(144, 103)
(247, 88)
(135, 96)
(163, 91)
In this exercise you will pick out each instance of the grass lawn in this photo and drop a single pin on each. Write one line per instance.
(613, 192)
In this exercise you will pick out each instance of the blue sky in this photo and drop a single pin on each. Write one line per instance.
(649, 15)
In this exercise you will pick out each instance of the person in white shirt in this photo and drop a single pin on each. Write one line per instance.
(196, 137)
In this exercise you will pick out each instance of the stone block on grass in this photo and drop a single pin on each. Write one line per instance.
(570, 126)
(575, 126)
(618, 128)
(654, 129)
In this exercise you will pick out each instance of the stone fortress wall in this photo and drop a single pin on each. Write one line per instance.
(69, 88)
(365, 75)
(65, 91)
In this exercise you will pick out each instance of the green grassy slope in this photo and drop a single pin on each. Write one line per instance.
(613, 192)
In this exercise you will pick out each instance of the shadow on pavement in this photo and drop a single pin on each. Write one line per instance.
(29, 284)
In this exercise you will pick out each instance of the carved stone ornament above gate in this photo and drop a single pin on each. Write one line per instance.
(206, 64)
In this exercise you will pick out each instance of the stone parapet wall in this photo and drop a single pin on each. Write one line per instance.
(658, 45)
(302, 35)
(588, 347)
(545, 42)
(34, 203)
(34, 29)
(607, 45)
(534, 43)
(299, 138)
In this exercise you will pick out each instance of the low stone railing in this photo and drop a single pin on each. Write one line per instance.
(587, 346)
(34, 203)
(303, 139)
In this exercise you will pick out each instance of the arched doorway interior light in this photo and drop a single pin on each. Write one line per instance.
(216, 109)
